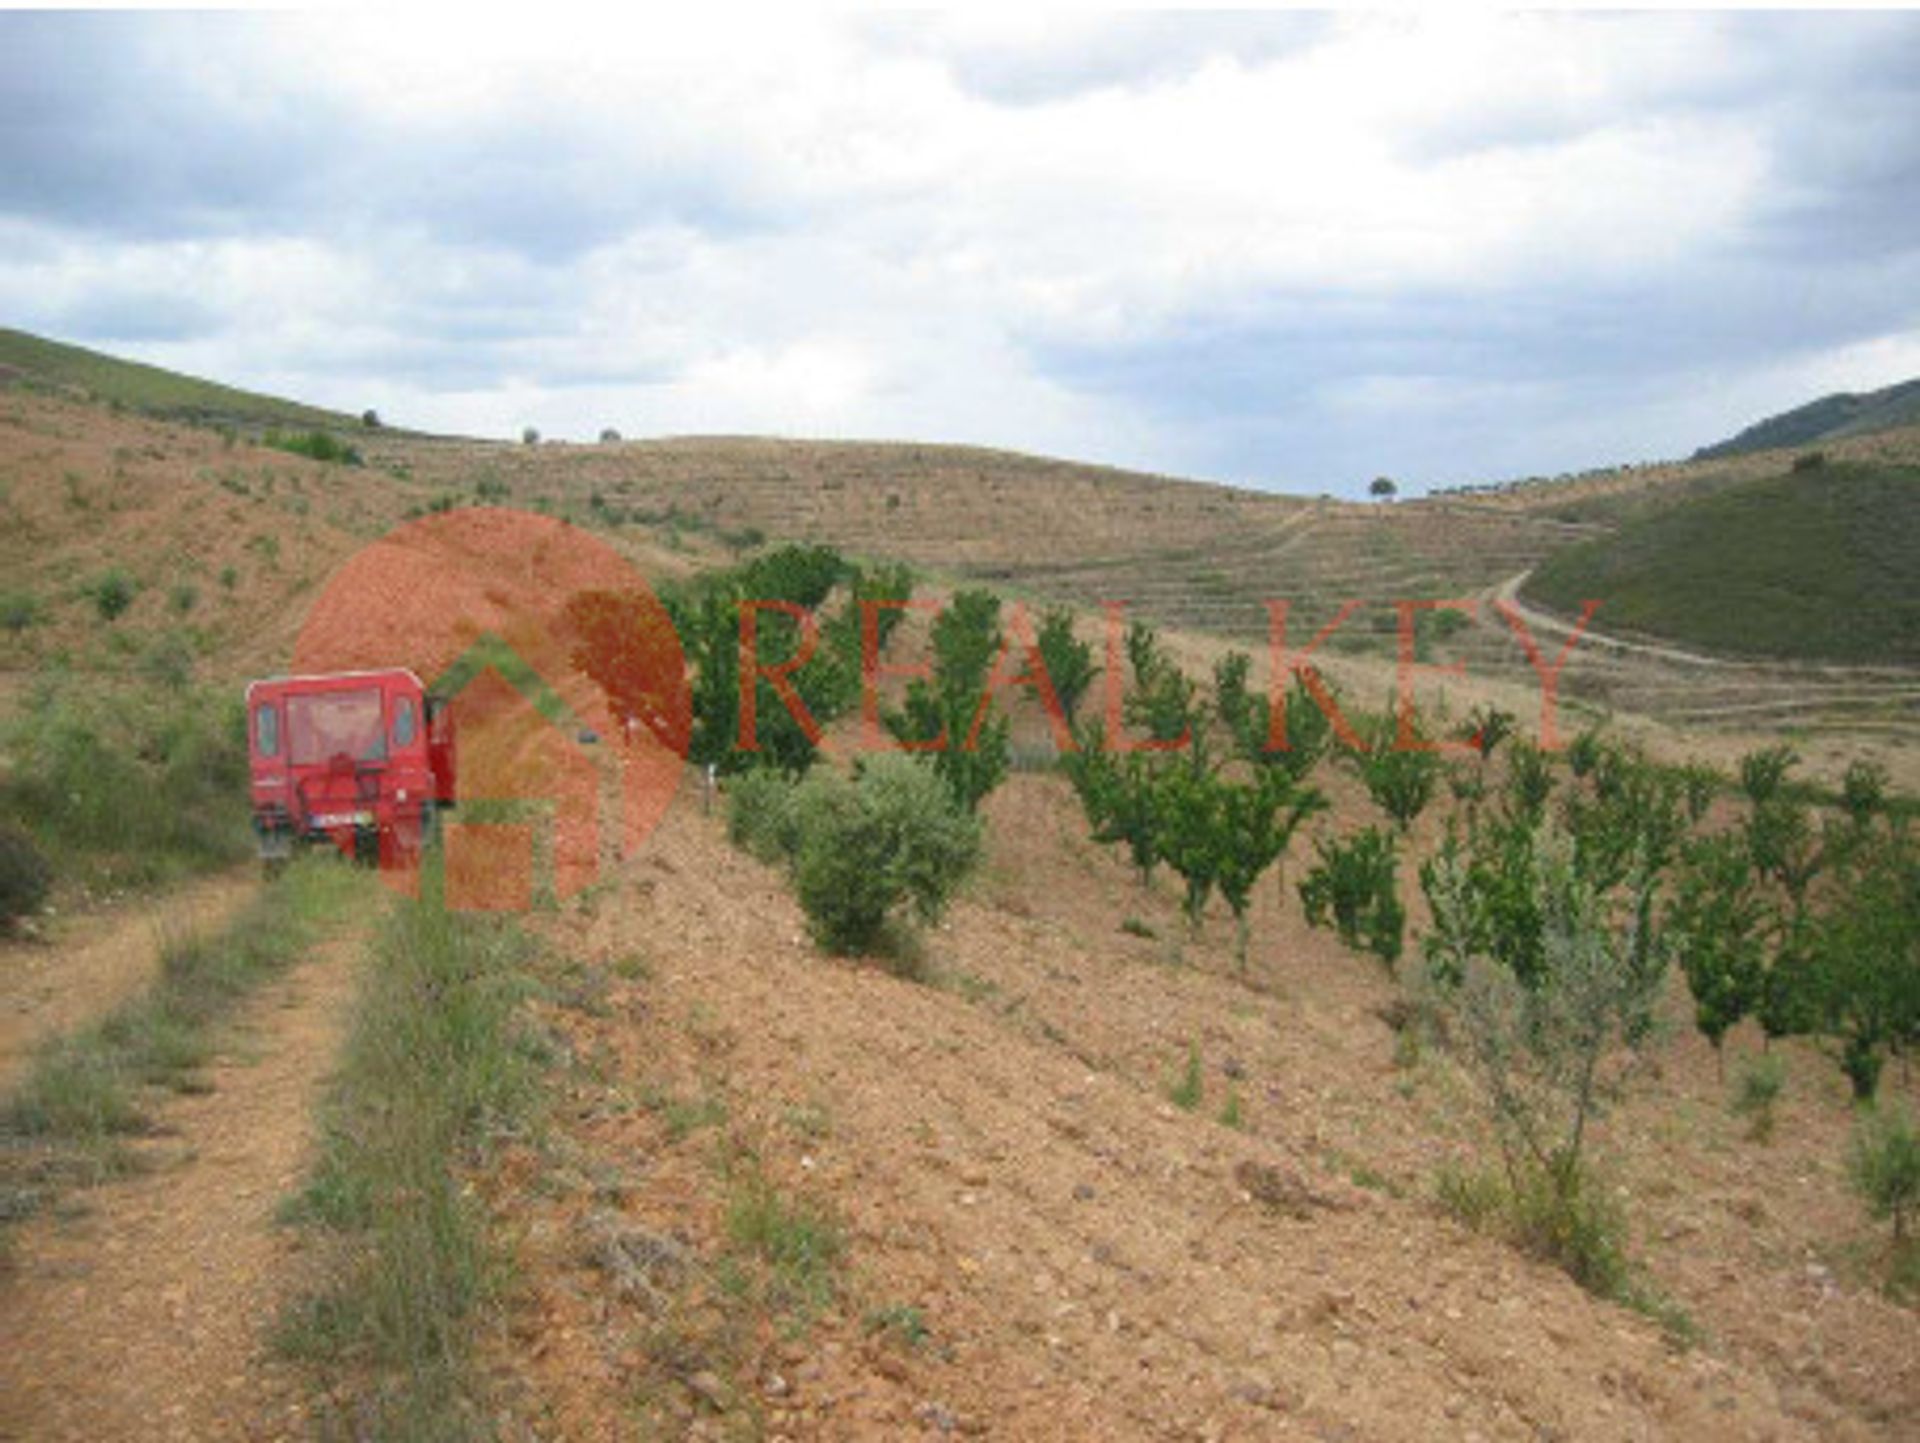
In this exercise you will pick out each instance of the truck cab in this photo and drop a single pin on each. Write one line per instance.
(361, 759)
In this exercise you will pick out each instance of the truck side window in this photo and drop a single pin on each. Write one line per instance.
(404, 723)
(266, 729)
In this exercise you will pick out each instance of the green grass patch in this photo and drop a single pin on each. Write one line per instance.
(127, 785)
(87, 1092)
(1815, 564)
(1579, 1230)
(151, 389)
(435, 1071)
(787, 1250)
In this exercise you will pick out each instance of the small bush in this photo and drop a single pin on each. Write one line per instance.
(183, 598)
(609, 436)
(315, 446)
(1758, 1089)
(1584, 753)
(1763, 771)
(1353, 886)
(1884, 1166)
(1863, 791)
(112, 593)
(891, 842)
(1810, 461)
(797, 1244)
(530, 436)
(25, 877)
(1400, 781)
(761, 816)
(1574, 1225)
(19, 610)
(1190, 1087)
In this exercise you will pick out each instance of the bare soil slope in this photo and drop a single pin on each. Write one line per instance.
(1085, 1258)
(142, 1314)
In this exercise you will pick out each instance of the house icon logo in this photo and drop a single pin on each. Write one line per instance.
(553, 670)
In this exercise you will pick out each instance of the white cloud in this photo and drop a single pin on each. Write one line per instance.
(1162, 240)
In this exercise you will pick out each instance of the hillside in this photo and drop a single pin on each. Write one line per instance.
(1845, 413)
(1815, 564)
(150, 390)
(1068, 1163)
(224, 540)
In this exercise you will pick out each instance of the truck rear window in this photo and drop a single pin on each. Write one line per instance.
(321, 725)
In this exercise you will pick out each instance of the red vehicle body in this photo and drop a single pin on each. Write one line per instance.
(364, 759)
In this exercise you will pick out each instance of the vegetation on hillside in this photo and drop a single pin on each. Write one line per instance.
(1845, 413)
(153, 390)
(1816, 564)
(122, 784)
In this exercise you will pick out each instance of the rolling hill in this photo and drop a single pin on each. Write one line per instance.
(151, 390)
(199, 511)
(1816, 564)
(1845, 413)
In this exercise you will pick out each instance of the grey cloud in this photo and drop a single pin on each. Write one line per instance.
(1129, 50)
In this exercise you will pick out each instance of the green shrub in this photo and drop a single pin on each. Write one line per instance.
(112, 593)
(1698, 784)
(315, 446)
(1401, 781)
(133, 785)
(1188, 1090)
(1758, 1089)
(1863, 791)
(1537, 1044)
(891, 842)
(761, 816)
(1529, 779)
(1719, 924)
(1584, 753)
(1884, 1166)
(19, 610)
(25, 877)
(183, 597)
(1353, 885)
(1762, 772)
(976, 755)
(169, 661)
(1487, 726)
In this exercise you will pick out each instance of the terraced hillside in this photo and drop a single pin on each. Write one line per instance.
(184, 508)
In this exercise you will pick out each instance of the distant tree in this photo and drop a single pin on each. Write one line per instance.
(530, 436)
(370, 418)
(609, 436)
(1383, 488)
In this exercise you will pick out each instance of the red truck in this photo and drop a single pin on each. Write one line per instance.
(362, 759)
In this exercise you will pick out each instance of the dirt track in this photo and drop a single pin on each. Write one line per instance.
(142, 1316)
(92, 963)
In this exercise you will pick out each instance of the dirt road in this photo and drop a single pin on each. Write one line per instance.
(143, 1316)
(89, 965)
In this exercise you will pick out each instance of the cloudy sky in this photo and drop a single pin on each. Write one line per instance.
(1289, 250)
